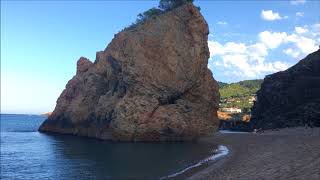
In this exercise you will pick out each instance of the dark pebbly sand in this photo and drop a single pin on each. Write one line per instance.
(292, 153)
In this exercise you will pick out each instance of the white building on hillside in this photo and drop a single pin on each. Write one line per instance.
(231, 110)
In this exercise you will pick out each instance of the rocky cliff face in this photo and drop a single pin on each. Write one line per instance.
(290, 98)
(151, 83)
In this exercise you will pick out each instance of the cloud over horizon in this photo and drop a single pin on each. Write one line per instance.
(245, 60)
(253, 60)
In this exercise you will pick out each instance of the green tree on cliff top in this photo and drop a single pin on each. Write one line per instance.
(164, 6)
(168, 5)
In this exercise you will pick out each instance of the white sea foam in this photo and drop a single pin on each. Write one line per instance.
(221, 151)
(232, 132)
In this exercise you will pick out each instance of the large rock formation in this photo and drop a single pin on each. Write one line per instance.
(150, 84)
(290, 98)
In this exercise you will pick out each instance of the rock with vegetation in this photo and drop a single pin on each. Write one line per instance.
(164, 6)
(290, 98)
(151, 83)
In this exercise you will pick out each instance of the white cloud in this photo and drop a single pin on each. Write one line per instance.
(243, 60)
(317, 25)
(272, 39)
(217, 63)
(230, 47)
(280, 66)
(300, 30)
(269, 15)
(306, 45)
(251, 60)
(299, 14)
(258, 49)
(222, 23)
(302, 38)
(315, 30)
(215, 48)
(297, 2)
(291, 52)
(299, 38)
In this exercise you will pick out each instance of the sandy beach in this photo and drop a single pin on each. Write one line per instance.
(285, 154)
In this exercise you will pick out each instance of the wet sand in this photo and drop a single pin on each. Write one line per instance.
(285, 154)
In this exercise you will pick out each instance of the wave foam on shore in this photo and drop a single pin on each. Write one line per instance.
(232, 132)
(218, 153)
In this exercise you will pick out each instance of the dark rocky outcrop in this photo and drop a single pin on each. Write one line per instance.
(290, 98)
(151, 83)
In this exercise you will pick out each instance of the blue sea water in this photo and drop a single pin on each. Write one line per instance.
(28, 154)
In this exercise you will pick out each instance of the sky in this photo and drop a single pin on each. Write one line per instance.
(42, 41)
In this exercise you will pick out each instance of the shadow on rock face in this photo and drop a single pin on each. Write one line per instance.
(290, 98)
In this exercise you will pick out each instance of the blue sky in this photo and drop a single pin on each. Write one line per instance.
(41, 41)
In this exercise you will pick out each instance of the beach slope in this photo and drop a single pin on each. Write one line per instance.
(285, 154)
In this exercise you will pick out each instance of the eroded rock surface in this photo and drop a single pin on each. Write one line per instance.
(290, 98)
(151, 83)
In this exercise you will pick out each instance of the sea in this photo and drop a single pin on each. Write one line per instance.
(29, 154)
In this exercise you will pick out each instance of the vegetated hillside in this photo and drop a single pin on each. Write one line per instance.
(239, 89)
(222, 84)
(240, 94)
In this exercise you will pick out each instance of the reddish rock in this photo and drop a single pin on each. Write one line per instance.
(151, 83)
(83, 65)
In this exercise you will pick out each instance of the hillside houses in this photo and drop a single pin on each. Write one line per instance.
(243, 103)
(241, 95)
(231, 110)
(252, 99)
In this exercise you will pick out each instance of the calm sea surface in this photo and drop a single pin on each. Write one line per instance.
(28, 154)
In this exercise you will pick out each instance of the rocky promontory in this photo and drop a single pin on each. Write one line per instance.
(151, 83)
(290, 98)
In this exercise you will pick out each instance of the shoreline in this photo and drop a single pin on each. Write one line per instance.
(219, 153)
(291, 153)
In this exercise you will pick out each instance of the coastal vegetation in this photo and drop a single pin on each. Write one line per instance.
(239, 89)
(163, 7)
(236, 101)
(239, 95)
